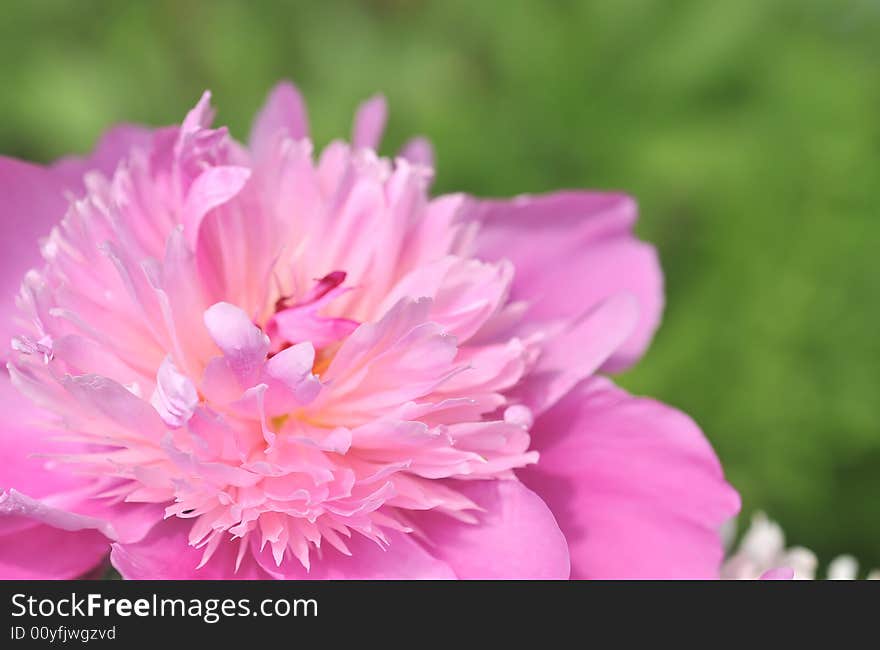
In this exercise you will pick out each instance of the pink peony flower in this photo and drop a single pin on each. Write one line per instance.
(248, 361)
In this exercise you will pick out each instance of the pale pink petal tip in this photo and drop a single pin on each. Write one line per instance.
(369, 122)
(418, 151)
(284, 114)
(778, 574)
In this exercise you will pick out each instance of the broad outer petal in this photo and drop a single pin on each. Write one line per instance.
(572, 250)
(42, 552)
(634, 485)
(516, 537)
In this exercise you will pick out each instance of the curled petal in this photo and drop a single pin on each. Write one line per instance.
(211, 189)
(243, 344)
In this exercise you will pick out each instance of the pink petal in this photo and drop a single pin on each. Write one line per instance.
(369, 122)
(778, 574)
(175, 397)
(284, 113)
(385, 364)
(15, 504)
(165, 554)
(212, 188)
(130, 522)
(288, 376)
(199, 117)
(113, 147)
(403, 559)
(39, 488)
(31, 203)
(465, 293)
(112, 400)
(572, 250)
(77, 511)
(33, 528)
(634, 485)
(298, 324)
(24, 433)
(577, 352)
(302, 321)
(418, 151)
(516, 537)
(46, 553)
(243, 344)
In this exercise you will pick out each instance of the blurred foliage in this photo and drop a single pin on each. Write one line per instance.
(749, 130)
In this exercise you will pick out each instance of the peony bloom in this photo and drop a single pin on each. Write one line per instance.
(762, 553)
(250, 361)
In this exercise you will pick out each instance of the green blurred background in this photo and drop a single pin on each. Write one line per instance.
(749, 130)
